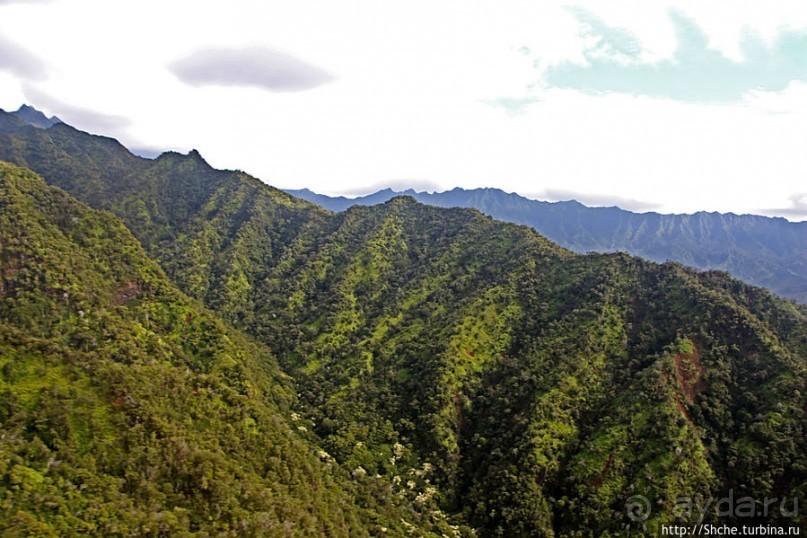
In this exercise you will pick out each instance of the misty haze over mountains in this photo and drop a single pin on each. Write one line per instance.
(764, 251)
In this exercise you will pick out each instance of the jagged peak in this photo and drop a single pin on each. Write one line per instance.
(192, 155)
(35, 117)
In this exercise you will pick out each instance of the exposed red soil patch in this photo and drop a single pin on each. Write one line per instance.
(689, 373)
(128, 292)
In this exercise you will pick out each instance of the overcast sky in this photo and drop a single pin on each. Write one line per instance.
(667, 106)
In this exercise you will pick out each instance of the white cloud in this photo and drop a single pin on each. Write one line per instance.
(259, 67)
(18, 61)
(796, 210)
(76, 116)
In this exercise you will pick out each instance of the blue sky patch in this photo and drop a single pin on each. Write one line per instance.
(695, 73)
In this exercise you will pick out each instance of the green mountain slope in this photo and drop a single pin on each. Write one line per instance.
(471, 366)
(445, 346)
(126, 409)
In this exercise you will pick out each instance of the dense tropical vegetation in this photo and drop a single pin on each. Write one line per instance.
(127, 409)
(413, 369)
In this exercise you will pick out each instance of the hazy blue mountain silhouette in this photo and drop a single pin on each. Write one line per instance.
(35, 117)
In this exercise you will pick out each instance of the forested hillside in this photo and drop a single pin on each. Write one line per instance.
(470, 369)
(768, 252)
(127, 409)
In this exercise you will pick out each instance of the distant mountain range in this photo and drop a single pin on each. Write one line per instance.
(764, 251)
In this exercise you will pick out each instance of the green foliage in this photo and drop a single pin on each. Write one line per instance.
(443, 368)
(127, 409)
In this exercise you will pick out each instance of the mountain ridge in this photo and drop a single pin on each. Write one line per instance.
(343, 202)
(765, 251)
